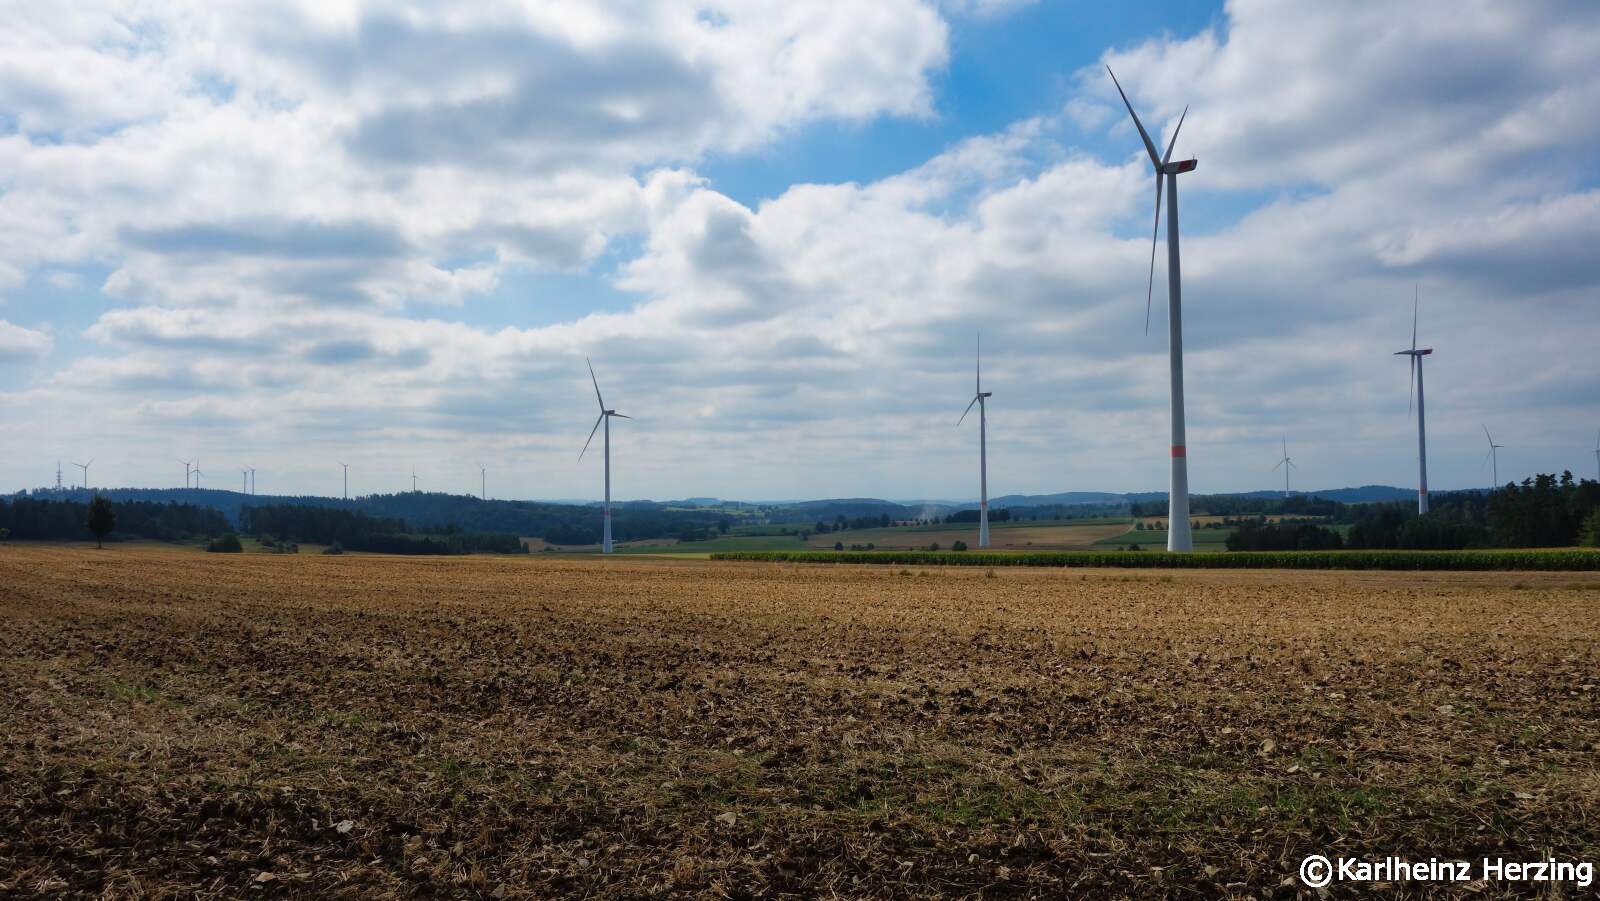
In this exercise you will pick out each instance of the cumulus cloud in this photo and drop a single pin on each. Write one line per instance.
(277, 190)
(22, 345)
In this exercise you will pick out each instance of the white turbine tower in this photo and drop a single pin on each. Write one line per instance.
(1492, 457)
(1287, 465)
(1416, 354)
(483, 482)
(85, 468)
(346, 495)
(252, 481)
(244, 480)
(187, 464)
(978, 398)
(413, 481)
(1179, 537)
(605, 419)
(197, 472)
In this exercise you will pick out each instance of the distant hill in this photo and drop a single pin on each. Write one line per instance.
(1063, 499)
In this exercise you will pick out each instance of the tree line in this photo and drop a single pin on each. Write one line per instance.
(40, 519)
(356, 531)
(1542, 511)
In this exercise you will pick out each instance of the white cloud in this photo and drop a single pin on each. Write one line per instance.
(22, 345)
(307, 174)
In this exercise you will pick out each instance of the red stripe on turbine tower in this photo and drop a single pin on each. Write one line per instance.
(1178, 451)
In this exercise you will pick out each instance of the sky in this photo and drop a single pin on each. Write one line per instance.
(291, 235)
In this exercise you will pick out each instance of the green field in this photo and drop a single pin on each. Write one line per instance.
(1204, 539)
(1562, 559)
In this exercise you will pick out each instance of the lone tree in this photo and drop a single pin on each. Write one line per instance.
(102, 519)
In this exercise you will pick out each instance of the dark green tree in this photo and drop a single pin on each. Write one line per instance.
(102, 519)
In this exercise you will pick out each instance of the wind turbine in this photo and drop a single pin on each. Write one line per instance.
(197, 472)
(346, 480)
(1416, 354)
(1493, 456)
(187, 464)
(413, 481)
(244, 480)
(978, 398)
(483, 482)
(1287, 465)
(252, 481)
(1178, 534)
(85, 468)
(605, 418)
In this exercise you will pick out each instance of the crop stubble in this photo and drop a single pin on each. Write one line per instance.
(180, 723)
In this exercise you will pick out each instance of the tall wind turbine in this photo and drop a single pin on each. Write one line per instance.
(978, 398)
(413, 481)
(252, 481)
(346, 480)
(1178, 534)
(1416, 354)
(1287, 465)
(605, 418)
(85, 468)
(197, 472)
(1492, 457)
(187, 465)
(244, 480)
(483, 482)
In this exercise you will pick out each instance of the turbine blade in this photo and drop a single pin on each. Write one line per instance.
(1280, 463)
(966, 411)
(1174, 139)
(1149, 145)
(1416, 302)
(1487, 436)
(591, 436)
(597, 383)
(1411, 398)
(1486, 458)
(1155, 237)
(621, 415)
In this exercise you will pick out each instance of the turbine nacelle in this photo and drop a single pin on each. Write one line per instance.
(1180, 166)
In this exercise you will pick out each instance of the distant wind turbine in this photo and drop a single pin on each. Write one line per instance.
(483, 482)
(605, 419)
(1179, 537)
(1416, 354)
(197, 472)
(252, 481)
(244, 480)
(1492, 457)
(979, 397)
(187, 464)
(413, 481)
(1287, 465)
(346, 480)
(85, 468)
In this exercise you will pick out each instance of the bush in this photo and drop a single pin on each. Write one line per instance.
(959, 545)
(934, 546)
(226, 544)
(838, 545)
(334, 548)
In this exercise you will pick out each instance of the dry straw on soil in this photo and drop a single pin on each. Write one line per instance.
(176, 723)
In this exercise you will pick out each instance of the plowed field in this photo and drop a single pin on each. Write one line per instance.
(180, 723)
